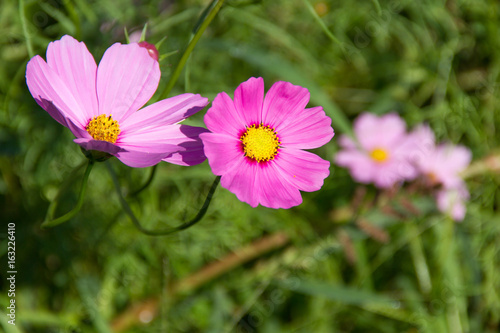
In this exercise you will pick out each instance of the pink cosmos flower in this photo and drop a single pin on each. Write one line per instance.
(441, 164)
(256, 143)
(381, 155)
(452, 201)
(100, 104)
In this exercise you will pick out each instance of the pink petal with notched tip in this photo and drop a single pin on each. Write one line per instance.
(127, 77)
(248, 100)
(301, 169)
(222, 117)
(310, 129)
(274, 191)
(52, 94)
(166, 112)
(281, 102)
(76, 67)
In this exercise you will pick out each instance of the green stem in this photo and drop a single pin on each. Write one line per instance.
(165, 231)
(321, 23)
(49, 222)
(26, 33)
(215, 7)
(147, 183)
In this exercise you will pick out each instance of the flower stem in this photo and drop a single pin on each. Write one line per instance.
(208, 16)
(147, 183)
(165, 231)
(49, 221)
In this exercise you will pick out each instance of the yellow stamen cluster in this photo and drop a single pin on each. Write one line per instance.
(260, 143)
(103, 128)
(379, 155)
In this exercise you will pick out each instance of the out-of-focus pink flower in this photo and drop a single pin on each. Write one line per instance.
(381, 153)
(441, 164)
(100, 104)
(452, 201)
(256, 143)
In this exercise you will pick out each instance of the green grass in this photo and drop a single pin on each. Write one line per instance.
(340, 264)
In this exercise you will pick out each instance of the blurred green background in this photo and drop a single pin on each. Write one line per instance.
(349, 259)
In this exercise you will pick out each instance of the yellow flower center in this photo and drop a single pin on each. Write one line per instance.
(379, 155)
(260, 143)
(103, 128)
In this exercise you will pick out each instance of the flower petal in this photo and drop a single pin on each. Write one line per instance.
(187, 138)
(242, 181)
(360, 166)
(76, 67)
(91, 144)
(166, 112)
(52, 94)
(140, 158)
(127, 77)
(274, 191)
(248, 99)
(310, 129)
(282, 101)
(223, 152)
(379, 132)
(301, 169)
(453, 201)
(222, 117)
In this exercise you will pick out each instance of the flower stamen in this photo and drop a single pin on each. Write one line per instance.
(260, 143)
(379, 155)
(103, 128)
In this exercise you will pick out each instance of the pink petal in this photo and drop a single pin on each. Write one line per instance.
(452, 201)
(375, 132)
(346, 142)
(223, 152)
(91, 144)
(154, 139)
(52, 94)
(76, 67)
(420, 144)
(301, 169)
(188, 138)
(359, 164)
(385, 175)
(449, 161)
(127, 77)
(248, 99)
(310, 129)
(140, 158)
(274, 191)
(242, 181)
(283, 103)
(166, 112)
(222, 117)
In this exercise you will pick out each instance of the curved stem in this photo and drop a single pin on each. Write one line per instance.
(147, 183)
(49, 222)
(165, 231)
(210, 14)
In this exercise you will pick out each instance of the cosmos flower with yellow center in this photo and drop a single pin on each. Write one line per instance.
(102, 104)
(256, 143)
